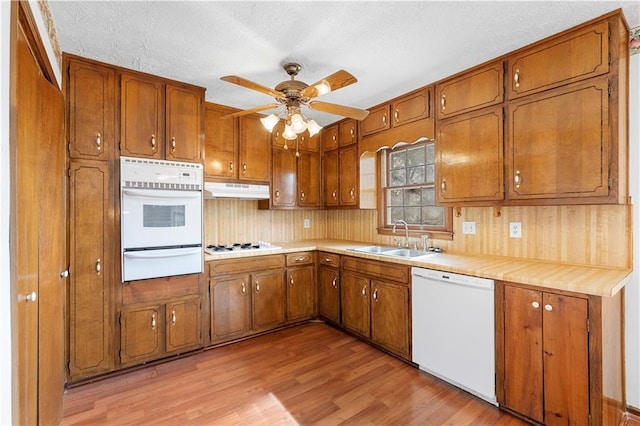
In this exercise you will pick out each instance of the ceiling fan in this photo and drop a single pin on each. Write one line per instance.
(293, 94)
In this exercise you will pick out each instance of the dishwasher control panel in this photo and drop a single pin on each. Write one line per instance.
(454, 278)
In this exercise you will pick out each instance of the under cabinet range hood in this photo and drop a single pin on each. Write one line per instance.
(236, 190)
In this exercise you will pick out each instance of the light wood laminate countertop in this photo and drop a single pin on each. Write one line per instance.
(589, 280)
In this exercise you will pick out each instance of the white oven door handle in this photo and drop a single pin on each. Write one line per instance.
(154, 254)
(161, 193)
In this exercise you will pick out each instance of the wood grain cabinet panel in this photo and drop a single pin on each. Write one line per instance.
(301, 290)
(254, 151)
(377, 120)
(390, 316)
(331, 179)
(267, 299)
(574, 56)
(330, 138)
(221, 142)
(283, 186)
(308, 180)
(479, 88)
(354, 300)
(230, 305)
(141, 331)
(183, 324)
(89, 298)
(546, 356)
(348, 176)
(469, 157)
(411, 107)
(141, 116)
(329, 293)
(184, 123)
(557, 144)
(347, 132)
(91, 92)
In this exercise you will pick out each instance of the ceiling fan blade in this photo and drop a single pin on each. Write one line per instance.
(250, 111)
(356, 113)
(251, 85)
(335, 81)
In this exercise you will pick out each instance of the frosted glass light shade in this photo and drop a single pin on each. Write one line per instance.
(289, 133)
(270, 121)
(313, 127)
(297, 123)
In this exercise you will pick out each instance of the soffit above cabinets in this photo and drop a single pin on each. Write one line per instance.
(391, 47)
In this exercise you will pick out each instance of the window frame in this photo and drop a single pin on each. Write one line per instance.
(435, 232)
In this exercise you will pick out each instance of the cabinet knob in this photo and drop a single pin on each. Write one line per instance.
(98, 266)
(334, 194)
(257, 286)
(299, 259)
(352, 131)
(364, 291)
(535, 305)
(98, 142)
(244, 288)
(31, 297)
(291, 281)
(548, 307)
(173, 145)
(334, 282)
(64, 274)
(516, 78)
(517, 179)
(352, 193)
(396, 115)
(231, 165)
(443, 186)
(173, 317)
(443, 103)
(153, 321)
(302, 195)
(277, 194)
(244, 167)
(384, 119)
(375, 294)
(153, 142)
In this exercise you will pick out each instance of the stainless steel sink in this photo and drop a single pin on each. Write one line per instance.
(374, 249)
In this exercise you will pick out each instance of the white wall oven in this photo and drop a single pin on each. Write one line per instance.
(160, 218)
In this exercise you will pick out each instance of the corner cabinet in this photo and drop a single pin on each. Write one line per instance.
(375, 303)
(559, 356)
(160, 120)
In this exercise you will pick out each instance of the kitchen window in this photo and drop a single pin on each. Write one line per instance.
(409, 194)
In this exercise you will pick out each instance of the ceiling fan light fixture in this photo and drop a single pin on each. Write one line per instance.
(270, 121)
(289, 133)
(313, 127)
(297, 123)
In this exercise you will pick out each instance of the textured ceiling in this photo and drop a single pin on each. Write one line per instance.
(390, 47)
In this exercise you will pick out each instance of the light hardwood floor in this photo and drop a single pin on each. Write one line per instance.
(311, 374)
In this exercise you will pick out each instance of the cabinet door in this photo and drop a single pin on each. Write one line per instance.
(91, 100)
(283, 187)
(469, 157)
(376, 121)
(91, 236)
(329, 294)
(559, 143)
(141, 116)
(330, 138)
(140, 334)
(575, 56)
(183, 324)
(309, 143)
(221, 143)
(268, 299)
(355, 303)
(347, 132)
(301, 299)
(478, 88)
(184, 124)
(523, 347)
(230, 307)
(254, 151)
(411, 107)
(566, 360)
(390, 317)
(308, 175)
(331, 179)
(348, 176)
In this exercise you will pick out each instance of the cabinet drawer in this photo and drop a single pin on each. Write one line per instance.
(478, 88)
(377, 269)
(329, 259)
(303, 258)
(245, 264)
(575, 56)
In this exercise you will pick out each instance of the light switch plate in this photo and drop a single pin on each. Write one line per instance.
(515, 229)
(469, 228)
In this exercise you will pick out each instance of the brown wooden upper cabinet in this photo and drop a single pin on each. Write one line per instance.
(330, 138)
(221, 142)
(91, 99)
(479, 88)
(295, 180)
(347, 132)
(406, 109)
(147, 105)
(573, 56)
(254, 150)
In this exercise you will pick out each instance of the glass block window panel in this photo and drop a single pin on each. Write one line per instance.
(410, 192)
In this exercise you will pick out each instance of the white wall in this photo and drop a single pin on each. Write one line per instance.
(5, 289)
(632, 295)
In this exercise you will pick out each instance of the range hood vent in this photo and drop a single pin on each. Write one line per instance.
(236, 190)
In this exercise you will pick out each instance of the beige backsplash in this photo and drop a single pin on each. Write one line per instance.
(589, 235)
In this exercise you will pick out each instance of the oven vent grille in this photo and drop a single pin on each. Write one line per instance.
(162, 185)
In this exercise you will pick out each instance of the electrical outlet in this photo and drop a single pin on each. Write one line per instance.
(515, 229)
(307, 223)
(469, 228)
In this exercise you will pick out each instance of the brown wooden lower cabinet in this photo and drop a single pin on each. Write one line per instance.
(301, 287)
(559, 356)
(329, 287)
(375, 303)
(230, 304)
(151, 331)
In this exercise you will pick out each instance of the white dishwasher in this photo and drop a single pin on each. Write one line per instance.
(453, 329)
